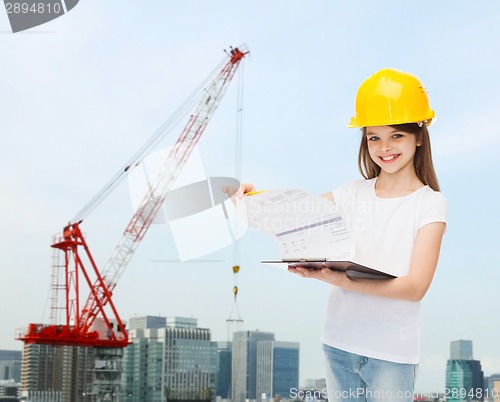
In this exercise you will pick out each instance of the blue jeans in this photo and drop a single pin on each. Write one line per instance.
(351, 377)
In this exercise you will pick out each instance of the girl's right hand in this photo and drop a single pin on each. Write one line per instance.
(245, 188)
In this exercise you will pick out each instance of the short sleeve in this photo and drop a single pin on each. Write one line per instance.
(434, 209)
(342, 195)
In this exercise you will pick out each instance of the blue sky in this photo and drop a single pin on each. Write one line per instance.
(82, 93)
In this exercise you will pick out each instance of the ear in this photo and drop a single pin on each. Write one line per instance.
(419, 139)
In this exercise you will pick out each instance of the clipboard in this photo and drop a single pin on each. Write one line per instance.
(352, 269)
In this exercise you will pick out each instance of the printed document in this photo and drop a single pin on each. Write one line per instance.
(306, 226)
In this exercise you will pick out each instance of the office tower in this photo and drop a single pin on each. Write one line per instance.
(224, 353)
(464, 376)
(461, 350)
(10, 365)
(176, 362)
(244, 363)
(261, 365)
(147, 321)
(182, 322)
(277, 369)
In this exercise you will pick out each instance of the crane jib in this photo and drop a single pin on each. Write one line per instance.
(149, 207)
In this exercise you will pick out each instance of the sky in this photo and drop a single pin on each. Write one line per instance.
(82, 93)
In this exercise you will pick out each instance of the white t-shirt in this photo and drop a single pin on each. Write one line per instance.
(384, 231)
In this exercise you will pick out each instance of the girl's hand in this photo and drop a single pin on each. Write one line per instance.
(233, 191)
(245, 188)
(335, 278)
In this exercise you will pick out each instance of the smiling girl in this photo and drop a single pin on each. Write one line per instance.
(371, 335)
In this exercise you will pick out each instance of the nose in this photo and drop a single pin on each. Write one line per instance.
(385, 145)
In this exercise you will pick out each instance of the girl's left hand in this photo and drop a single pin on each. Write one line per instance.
(335, 278)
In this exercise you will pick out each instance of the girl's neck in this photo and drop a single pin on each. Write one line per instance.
(396, 185)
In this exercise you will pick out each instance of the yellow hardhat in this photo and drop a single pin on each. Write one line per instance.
(391, 97)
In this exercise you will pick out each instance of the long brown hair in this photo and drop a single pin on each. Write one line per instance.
(424, 167)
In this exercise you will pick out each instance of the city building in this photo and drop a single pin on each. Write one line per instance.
(494, 393)
(175, 363)
(277, 369)
(9, 390)
(244, 364)
(224, 353)
(464, 376)
(59, 373)
(492, 386)
(315, 383)
(147, 321)
(461, 350)
(182, 322)
(10, 365)
(62, 373)
(262, 367)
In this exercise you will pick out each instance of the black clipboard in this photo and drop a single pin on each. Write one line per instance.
(352, 269)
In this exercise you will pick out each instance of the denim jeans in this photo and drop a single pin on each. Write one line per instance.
(351, 377)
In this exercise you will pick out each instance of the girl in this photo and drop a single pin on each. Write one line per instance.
(371, 335)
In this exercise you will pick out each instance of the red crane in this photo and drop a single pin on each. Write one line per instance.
(80, 327)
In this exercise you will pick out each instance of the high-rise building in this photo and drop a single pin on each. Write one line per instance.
(175, 363)
(461, 350)
(244, 363)
(464, 376)
(147, 321)
(262, 366)
(70, 373)
(182, 322)
(277, 369)
(224, 352)
(10, 365)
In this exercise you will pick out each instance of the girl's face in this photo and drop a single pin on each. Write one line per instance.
(391, 149)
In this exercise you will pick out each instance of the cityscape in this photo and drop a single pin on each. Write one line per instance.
(172, 359)
(83, 92)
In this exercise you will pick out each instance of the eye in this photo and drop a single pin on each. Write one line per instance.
(373, 138)
(397, 136)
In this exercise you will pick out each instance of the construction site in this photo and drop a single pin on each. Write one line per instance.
(78, 355)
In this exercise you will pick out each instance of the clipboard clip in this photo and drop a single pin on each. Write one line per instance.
(297, 260)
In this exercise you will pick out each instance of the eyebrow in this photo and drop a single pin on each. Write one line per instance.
(394, 130)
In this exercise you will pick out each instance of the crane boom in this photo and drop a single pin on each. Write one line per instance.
(152, 201)
(178, 116)
(78, 329)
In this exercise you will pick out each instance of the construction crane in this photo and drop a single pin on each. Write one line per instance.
(91, 324)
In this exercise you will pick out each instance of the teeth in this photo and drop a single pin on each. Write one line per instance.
(388, 158)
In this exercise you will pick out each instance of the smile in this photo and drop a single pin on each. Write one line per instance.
(389, 158)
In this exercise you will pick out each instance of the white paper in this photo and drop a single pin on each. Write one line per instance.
(304, 225)
(200, 234)
(203, 218)
(200, 213)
